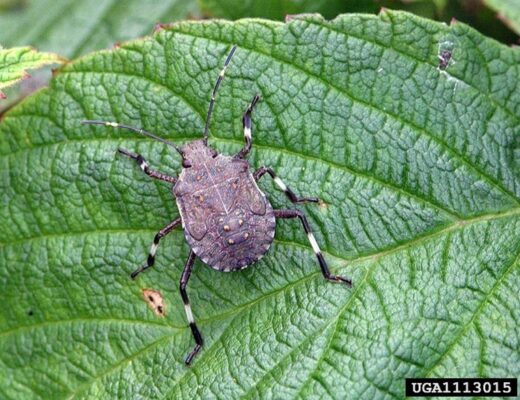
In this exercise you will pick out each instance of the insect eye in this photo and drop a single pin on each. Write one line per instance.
(186, 163)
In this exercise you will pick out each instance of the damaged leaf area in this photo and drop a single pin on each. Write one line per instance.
(155, 301)
(15, 62)
(414, 152)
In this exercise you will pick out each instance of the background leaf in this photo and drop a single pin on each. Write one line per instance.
(72, 28)
(509, 11)
(417, 164)
(15, 62)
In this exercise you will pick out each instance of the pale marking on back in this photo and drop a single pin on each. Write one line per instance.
(213, 184)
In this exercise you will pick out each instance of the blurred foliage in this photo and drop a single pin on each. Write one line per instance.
(72, 28)
(508, 11)
(472, 12)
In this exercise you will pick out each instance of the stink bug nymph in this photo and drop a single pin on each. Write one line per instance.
(227, 221)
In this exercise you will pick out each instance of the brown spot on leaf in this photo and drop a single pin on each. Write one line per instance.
(155, 301)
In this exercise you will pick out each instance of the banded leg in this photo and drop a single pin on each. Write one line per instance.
(321, 260)
(144, 166)
(151, 256)
(214, 94)
(187, 307)
(288, 192)
(246, 122)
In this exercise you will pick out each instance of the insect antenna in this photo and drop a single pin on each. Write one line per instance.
(217, 85)
(131, 128)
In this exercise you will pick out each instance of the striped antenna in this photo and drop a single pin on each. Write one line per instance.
(131, 128)
(217, 85)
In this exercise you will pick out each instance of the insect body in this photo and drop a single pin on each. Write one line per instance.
(228, 222)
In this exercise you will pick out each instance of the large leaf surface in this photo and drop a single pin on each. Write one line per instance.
(417, 166)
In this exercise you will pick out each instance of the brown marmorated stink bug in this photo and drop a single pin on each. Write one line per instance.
(227, 220)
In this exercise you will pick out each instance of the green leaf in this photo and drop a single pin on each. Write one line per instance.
(508, 11)
(417, 165)
(15, 62)
(72, 27)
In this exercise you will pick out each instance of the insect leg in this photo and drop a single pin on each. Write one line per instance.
(144, 166)
(288, 192)
(151, 256)
(314, 244)
(215, 89)
(187, 307)
(246, 122)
